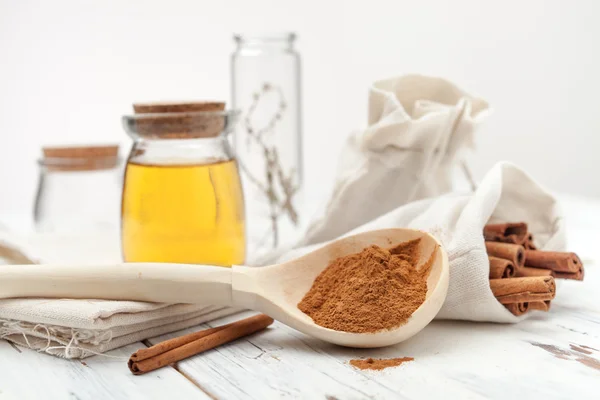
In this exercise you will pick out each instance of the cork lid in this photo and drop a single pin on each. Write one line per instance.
(177, 120)
(178, 107)
(80, 158)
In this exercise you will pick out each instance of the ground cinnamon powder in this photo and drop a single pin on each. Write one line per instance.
(379, 364)
(369, 291)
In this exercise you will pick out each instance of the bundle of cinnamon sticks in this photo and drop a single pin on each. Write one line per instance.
(522, 277)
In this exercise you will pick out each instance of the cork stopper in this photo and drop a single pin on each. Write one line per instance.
(80, 158)
(159, 108)
(182, 120)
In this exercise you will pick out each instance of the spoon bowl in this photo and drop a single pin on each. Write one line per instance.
(274, 290)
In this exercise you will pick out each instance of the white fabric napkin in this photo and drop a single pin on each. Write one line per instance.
(81, 328)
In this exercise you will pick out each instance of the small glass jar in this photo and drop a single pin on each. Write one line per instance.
(182, 197)
(78, 190)
(265, 73)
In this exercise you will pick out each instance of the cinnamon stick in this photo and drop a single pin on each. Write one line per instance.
(540, 305)
(529, 271)
(518, 309)
(565, 265)
(576, 276)
(529, 243)
(515, 233)
(523, 290)
(177, 349)
(513, 252)
(163, 347)
(501, 268)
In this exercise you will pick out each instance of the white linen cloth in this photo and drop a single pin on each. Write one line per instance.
(417, 132)
(81, 328)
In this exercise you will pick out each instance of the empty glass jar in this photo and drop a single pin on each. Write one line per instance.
(266, 88)
(78, 189)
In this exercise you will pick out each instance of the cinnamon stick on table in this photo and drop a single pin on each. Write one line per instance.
(501, 268)
(564, 265)
(513, 252)
(171, 351)
(515, 233)
(523, 290)
(163, 347)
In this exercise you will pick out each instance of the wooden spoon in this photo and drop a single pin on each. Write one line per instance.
(274, 290)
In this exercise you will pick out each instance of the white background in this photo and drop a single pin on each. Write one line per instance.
(70, 69)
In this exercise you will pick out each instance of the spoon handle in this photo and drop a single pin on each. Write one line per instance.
(153, 282)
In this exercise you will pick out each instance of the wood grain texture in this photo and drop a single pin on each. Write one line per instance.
(474, 360)
(26, 374)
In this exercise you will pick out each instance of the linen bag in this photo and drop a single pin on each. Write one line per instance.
(418, 130)
(457, 220)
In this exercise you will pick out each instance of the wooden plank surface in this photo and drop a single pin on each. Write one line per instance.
(453, 359)
(550, 355)
(26, 374)
(284, 363)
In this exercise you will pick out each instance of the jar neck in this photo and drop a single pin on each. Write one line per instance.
(181, 151)
(265, 42)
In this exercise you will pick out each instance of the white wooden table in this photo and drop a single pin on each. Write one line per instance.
(553, 355)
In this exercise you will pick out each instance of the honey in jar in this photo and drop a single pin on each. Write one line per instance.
(182, 197)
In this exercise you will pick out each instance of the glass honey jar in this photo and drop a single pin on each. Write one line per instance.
(182, 198)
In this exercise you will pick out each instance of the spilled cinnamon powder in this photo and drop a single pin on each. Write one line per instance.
(379, 363)
(369, 291)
